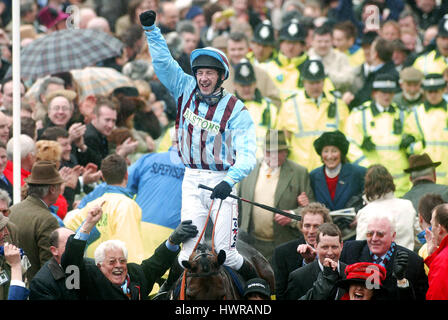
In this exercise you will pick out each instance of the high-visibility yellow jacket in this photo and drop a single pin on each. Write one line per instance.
(432, 62)
(264, 115)
(431, 126)
(121, 220)
(385, 130)
(307, 120)
(285, 72)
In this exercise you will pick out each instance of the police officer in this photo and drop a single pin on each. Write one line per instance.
(375, 131)
(430, 121)
(436, 60)
(284, 69)
(309, 113)
(263, 43)
(261, 109)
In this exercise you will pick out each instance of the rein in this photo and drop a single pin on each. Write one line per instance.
(198, 275)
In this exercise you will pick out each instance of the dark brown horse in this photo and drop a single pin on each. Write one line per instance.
(207, 279)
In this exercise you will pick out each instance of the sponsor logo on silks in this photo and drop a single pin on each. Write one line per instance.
(200, 122)
(234, 233)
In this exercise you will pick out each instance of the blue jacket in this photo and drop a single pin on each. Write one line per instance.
(350, 183)
(218, 138)
(156, 179)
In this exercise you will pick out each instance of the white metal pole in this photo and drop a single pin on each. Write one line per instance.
(16, 99)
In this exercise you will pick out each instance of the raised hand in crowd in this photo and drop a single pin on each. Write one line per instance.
(12, 256)
(91, 173)
(127, 147)
(330, 264)
(308, 252)
(93, 216)
(70, 175)
(76, 134)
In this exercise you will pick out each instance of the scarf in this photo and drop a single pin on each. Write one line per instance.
(387, 257)
(125, 286)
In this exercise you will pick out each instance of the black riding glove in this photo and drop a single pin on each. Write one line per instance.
(221, 191)
(367, 144)
(184, 231)
(406, 141)
(400, 264)
(147, 18)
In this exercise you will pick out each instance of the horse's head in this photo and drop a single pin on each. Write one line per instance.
(205, 279)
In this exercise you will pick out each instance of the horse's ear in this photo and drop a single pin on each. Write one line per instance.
(186, 264)
(221, 257)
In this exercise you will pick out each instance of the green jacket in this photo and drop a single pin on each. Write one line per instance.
(34, 223)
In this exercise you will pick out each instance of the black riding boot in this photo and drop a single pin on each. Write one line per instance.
(247, 271)
(175, 272)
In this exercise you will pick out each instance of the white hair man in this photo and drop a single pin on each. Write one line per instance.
(404, 267)
(112, 277)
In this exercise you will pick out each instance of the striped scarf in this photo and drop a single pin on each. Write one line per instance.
(387, 257)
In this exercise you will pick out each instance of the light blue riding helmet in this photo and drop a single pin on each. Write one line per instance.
(209, 57)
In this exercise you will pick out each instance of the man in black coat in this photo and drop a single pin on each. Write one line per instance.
(97, 131)
(380, 248)
(382, 63)
(329, 246)
(112, 278)
(286, 257)
(49, 283)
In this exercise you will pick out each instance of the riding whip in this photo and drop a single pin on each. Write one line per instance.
(284, 213)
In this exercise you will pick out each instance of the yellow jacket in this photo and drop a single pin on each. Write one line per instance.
(307, 121)
(264, 115)
(385, 130)
(285, 73)
(430, 124)
(121, 220)
(432, 62)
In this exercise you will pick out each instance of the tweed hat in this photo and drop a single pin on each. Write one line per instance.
(276, 141)
(363, 272)
(420, 162)
(332, 138)
(411, 74)
(3, 221)
(44, 172)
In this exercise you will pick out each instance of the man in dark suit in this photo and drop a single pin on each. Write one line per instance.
(380, 248)
(328, 249)
(101, 126)
(278, 184)
(296, 253)
(422, 172)
(382, 63)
